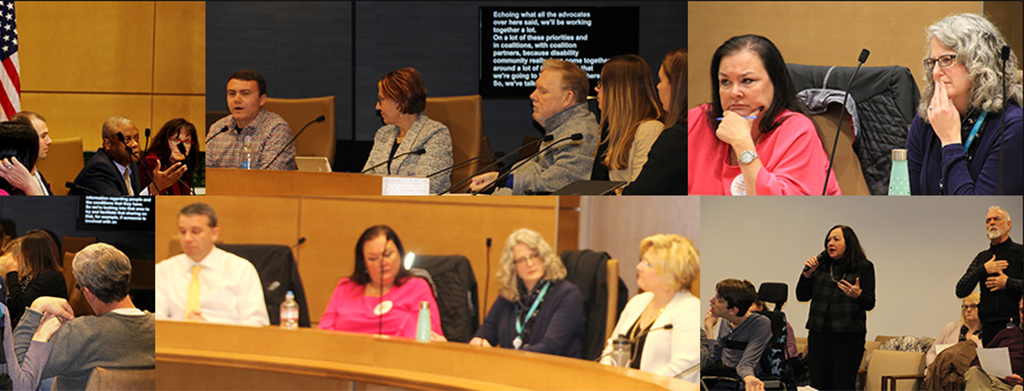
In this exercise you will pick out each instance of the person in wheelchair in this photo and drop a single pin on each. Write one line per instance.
(741, 340)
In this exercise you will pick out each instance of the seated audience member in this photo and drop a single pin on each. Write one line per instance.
(206, 283)
(538, 311)
(401, 98)
(665, 173)
(114, 170)
(380, 295)
(791, 350)
(560, 107)
(756, 137)
(956, 144)
(752, 330)
(166, 155)
(33, 354)
(19, 149)
(37, 122)
(119, 336)
(32, 270)
(1011, 338)
(957, 330)
(267, 132)
(629, 117)
(668, 265)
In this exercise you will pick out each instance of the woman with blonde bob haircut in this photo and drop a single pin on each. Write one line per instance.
(538, 311)
(630, 109)
(664, 321)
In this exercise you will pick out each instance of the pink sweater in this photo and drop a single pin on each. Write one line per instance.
(351, 310)
(792, 158)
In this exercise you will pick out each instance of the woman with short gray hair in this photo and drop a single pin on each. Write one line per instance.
(966, 137)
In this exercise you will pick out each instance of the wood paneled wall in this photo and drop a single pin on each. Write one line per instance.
(82, 62)
(331, 226)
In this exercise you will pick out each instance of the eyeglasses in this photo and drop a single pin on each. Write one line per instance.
(188, 143)
(535, 257)
(599, 86)
(944, 60)
(647, 264)
(966, 307)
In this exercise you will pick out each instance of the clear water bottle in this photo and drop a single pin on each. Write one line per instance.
(423, 323)
(899, 177)
(248, 155)
(289, 312)
(620, 352)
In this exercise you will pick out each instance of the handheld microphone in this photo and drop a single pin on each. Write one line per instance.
(120, 137)
(819, 258)
(453, 167)
(318, 119)
(546, 138)
(860, 61)
(501, 178)
(222, 130)
(416, 152)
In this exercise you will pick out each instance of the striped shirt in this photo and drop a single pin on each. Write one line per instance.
(269, 132)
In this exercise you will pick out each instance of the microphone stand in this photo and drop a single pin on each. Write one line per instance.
(496, 154)
(120, 137)
(494, 184)
(416, 152)
(318, 119)
(222, 130)
(488, 167)
(860, 61)
(1004, 54)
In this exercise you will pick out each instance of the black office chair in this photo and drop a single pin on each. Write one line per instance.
(455, 290)
(588, 271)
(278, 274)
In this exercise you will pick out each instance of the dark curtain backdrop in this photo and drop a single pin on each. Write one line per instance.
(344, 48)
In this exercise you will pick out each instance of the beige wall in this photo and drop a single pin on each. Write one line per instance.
(82, 62)
(331, 226)
(817, 33)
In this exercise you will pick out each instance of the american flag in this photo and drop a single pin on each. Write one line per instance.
(10, 78)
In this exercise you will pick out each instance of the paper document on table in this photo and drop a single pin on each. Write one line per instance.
(395, 185)
(995, 361)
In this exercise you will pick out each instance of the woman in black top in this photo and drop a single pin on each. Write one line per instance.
(32, 272)
(840, 283)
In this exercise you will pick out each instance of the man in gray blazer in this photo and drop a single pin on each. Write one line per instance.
(560, 106)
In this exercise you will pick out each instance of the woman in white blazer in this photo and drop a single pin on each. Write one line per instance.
(663, 322)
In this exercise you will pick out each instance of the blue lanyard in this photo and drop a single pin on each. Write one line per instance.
(536, 302)
(974, 132)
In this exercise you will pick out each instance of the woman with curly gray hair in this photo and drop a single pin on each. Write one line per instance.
(538, 311)
(966, 136)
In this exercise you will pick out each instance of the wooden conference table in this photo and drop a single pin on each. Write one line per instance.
(210, 356)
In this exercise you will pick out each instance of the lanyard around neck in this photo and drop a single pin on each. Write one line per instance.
(536, 302)
(974, 132)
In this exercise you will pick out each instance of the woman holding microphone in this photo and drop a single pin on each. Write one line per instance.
(840, 284)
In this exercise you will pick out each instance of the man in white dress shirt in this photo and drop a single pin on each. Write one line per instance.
(207, 283)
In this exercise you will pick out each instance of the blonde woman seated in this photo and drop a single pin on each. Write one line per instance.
(538, 311)
(630, 110)
(668, 265)
(958, 330)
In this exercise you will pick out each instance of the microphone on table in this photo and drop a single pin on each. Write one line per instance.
(636, 338)
(501, 178)
(467, 161)
(391, 159)
(120, 137)
(147, 140)
(184, 152)
(546, 138)
(222, 130)
(299, 243)
(860, 61)
(1004, 54)
(318, 119)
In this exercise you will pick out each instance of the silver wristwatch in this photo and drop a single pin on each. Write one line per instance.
(748, 157)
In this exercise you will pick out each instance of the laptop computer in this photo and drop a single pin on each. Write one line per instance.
(313, 163)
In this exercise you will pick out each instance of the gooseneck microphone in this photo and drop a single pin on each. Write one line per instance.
(318, 119)
(498, 155)
(416, 152)
(222, 130)
(120, 137)
(488, 167)
(147, 140)
(299, 242)
(831, 157)
(188, 168)
(637, 338)
(501, 178)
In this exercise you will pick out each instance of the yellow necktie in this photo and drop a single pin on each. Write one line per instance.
(192, 300)
(128, 182)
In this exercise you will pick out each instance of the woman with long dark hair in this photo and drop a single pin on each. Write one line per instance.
(840, 284)
(33, 272)
(755, 137)
(165, 154)
(380, 295)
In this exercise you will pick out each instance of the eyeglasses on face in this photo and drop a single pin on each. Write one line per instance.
(944, 61)
(535, 257)
(176, 140)
(966, 307)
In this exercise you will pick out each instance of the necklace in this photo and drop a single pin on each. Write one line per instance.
(830, 265)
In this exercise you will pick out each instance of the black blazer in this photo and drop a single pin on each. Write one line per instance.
(666, 169)
(101, 177)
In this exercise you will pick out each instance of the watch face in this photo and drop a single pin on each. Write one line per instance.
(747, 156)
